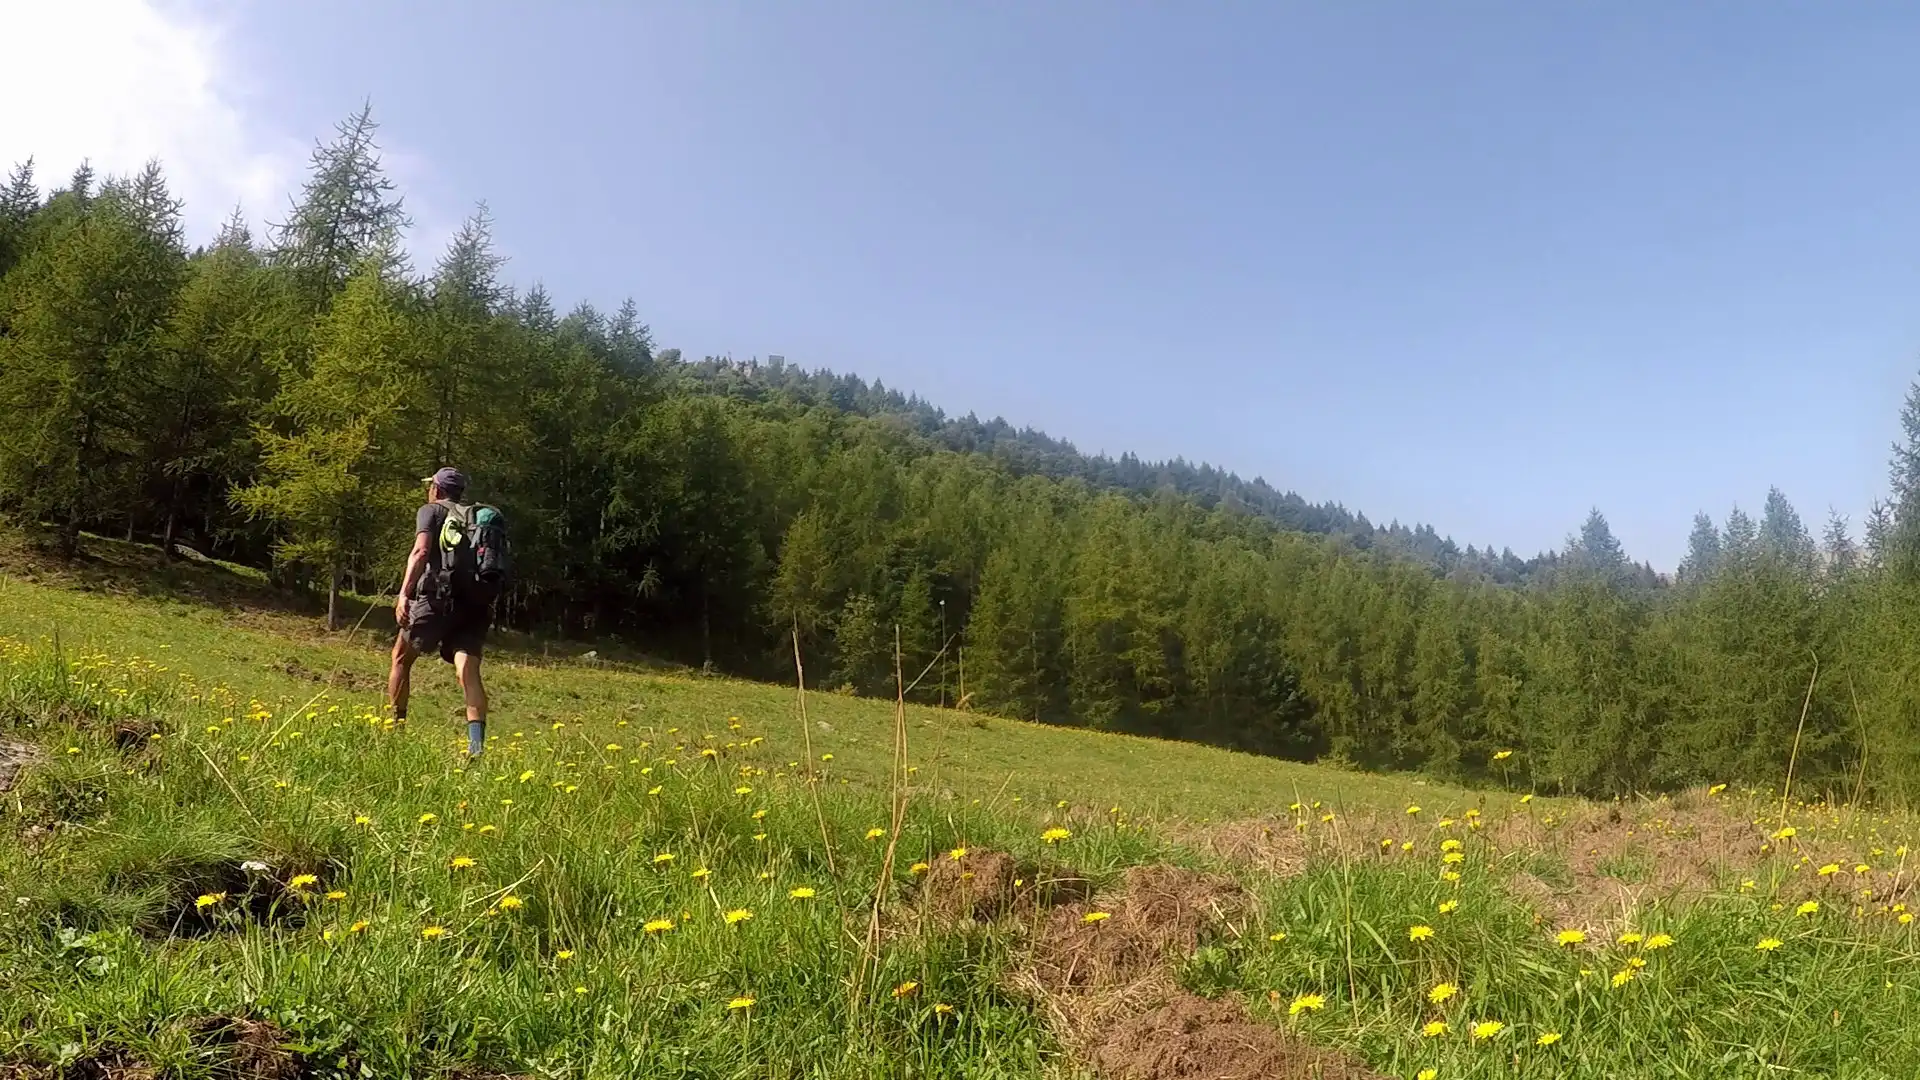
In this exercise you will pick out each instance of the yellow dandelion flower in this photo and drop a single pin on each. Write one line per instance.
(1862, 868)
(1427, 1074)
(1434, 1029)
(1419, 933)
(485, 829)
(1787, 833)
(1830, 869)
(337, 894)
(1055, 835)
(461, 862)
(1448, 907)
(433, 931)
(1442, 992)
(358, 927)
(207, 900)
(1449, 875)
(1096, 916)
(1716, 789)
(1453, 858)
(1277, 935)
(657, 926)
(1450, 844)
(740, 1003)
(1570, 937)
(1631, 939)
(1622, 977)
(1527, 798)
(1906, 917)
(1412, 810)
(563, 954)
(875, 834)
(1487, 1029)
(905, 989)
(737, 915)
(1659, 941)
(362, 819)
(1807, 908)
(1502, 755)
(801, 893)
(957, 854)
(302, 881)
(1548, 1038)
(663, 857)
(511, 902)
(918, 868)
(703, 872)
(1306, 1003)
(942, 1008)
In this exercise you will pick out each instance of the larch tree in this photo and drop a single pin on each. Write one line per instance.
(340, 487)
(83, 310)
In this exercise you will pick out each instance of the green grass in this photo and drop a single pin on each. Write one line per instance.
(269, 748)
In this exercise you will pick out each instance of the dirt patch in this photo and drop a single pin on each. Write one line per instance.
(246, 1049)
(21, 1070)
(1104, 970)
(14, 757)
(109, 1063)
(986, 885)
(1274, 846)
(1191, 1038)
(1157, 918)
(344, 678)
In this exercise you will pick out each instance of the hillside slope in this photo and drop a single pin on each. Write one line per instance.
(225, 863)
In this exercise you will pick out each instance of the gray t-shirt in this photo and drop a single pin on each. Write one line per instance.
(429, 520)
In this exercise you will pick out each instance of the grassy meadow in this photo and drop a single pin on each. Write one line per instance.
(222, 861)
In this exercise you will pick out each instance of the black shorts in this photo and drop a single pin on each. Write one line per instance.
(449, 628)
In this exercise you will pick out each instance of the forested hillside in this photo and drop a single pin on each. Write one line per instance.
(275, 399)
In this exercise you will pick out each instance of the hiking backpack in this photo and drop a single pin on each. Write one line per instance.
(475, 560)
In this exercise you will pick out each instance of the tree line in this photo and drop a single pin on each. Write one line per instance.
(274, 401)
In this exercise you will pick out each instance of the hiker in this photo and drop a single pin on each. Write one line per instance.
(456, 569)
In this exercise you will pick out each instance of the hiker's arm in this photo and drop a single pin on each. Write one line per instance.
(416, 559)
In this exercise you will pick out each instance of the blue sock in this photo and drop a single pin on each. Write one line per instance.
(476, 737)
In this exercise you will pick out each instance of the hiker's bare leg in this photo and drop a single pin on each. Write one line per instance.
(400, 677)
(467, 667)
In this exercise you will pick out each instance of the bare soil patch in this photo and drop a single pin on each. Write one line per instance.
(14, 757)
(987, 885)
(107, 1063)
(1104, 969)
(1191, 1038)
(244, 1049)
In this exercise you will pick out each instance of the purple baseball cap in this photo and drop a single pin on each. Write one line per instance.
(448, 479)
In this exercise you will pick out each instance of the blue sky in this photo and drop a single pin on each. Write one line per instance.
(1478, 265)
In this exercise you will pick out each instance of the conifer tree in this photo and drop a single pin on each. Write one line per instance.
(19, 201)
(81, 311)
(341, 487)
(1782, 534)
(1703, 551)
(346, 213)
(1842, 556)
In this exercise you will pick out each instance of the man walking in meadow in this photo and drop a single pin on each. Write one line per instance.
(455, 571)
